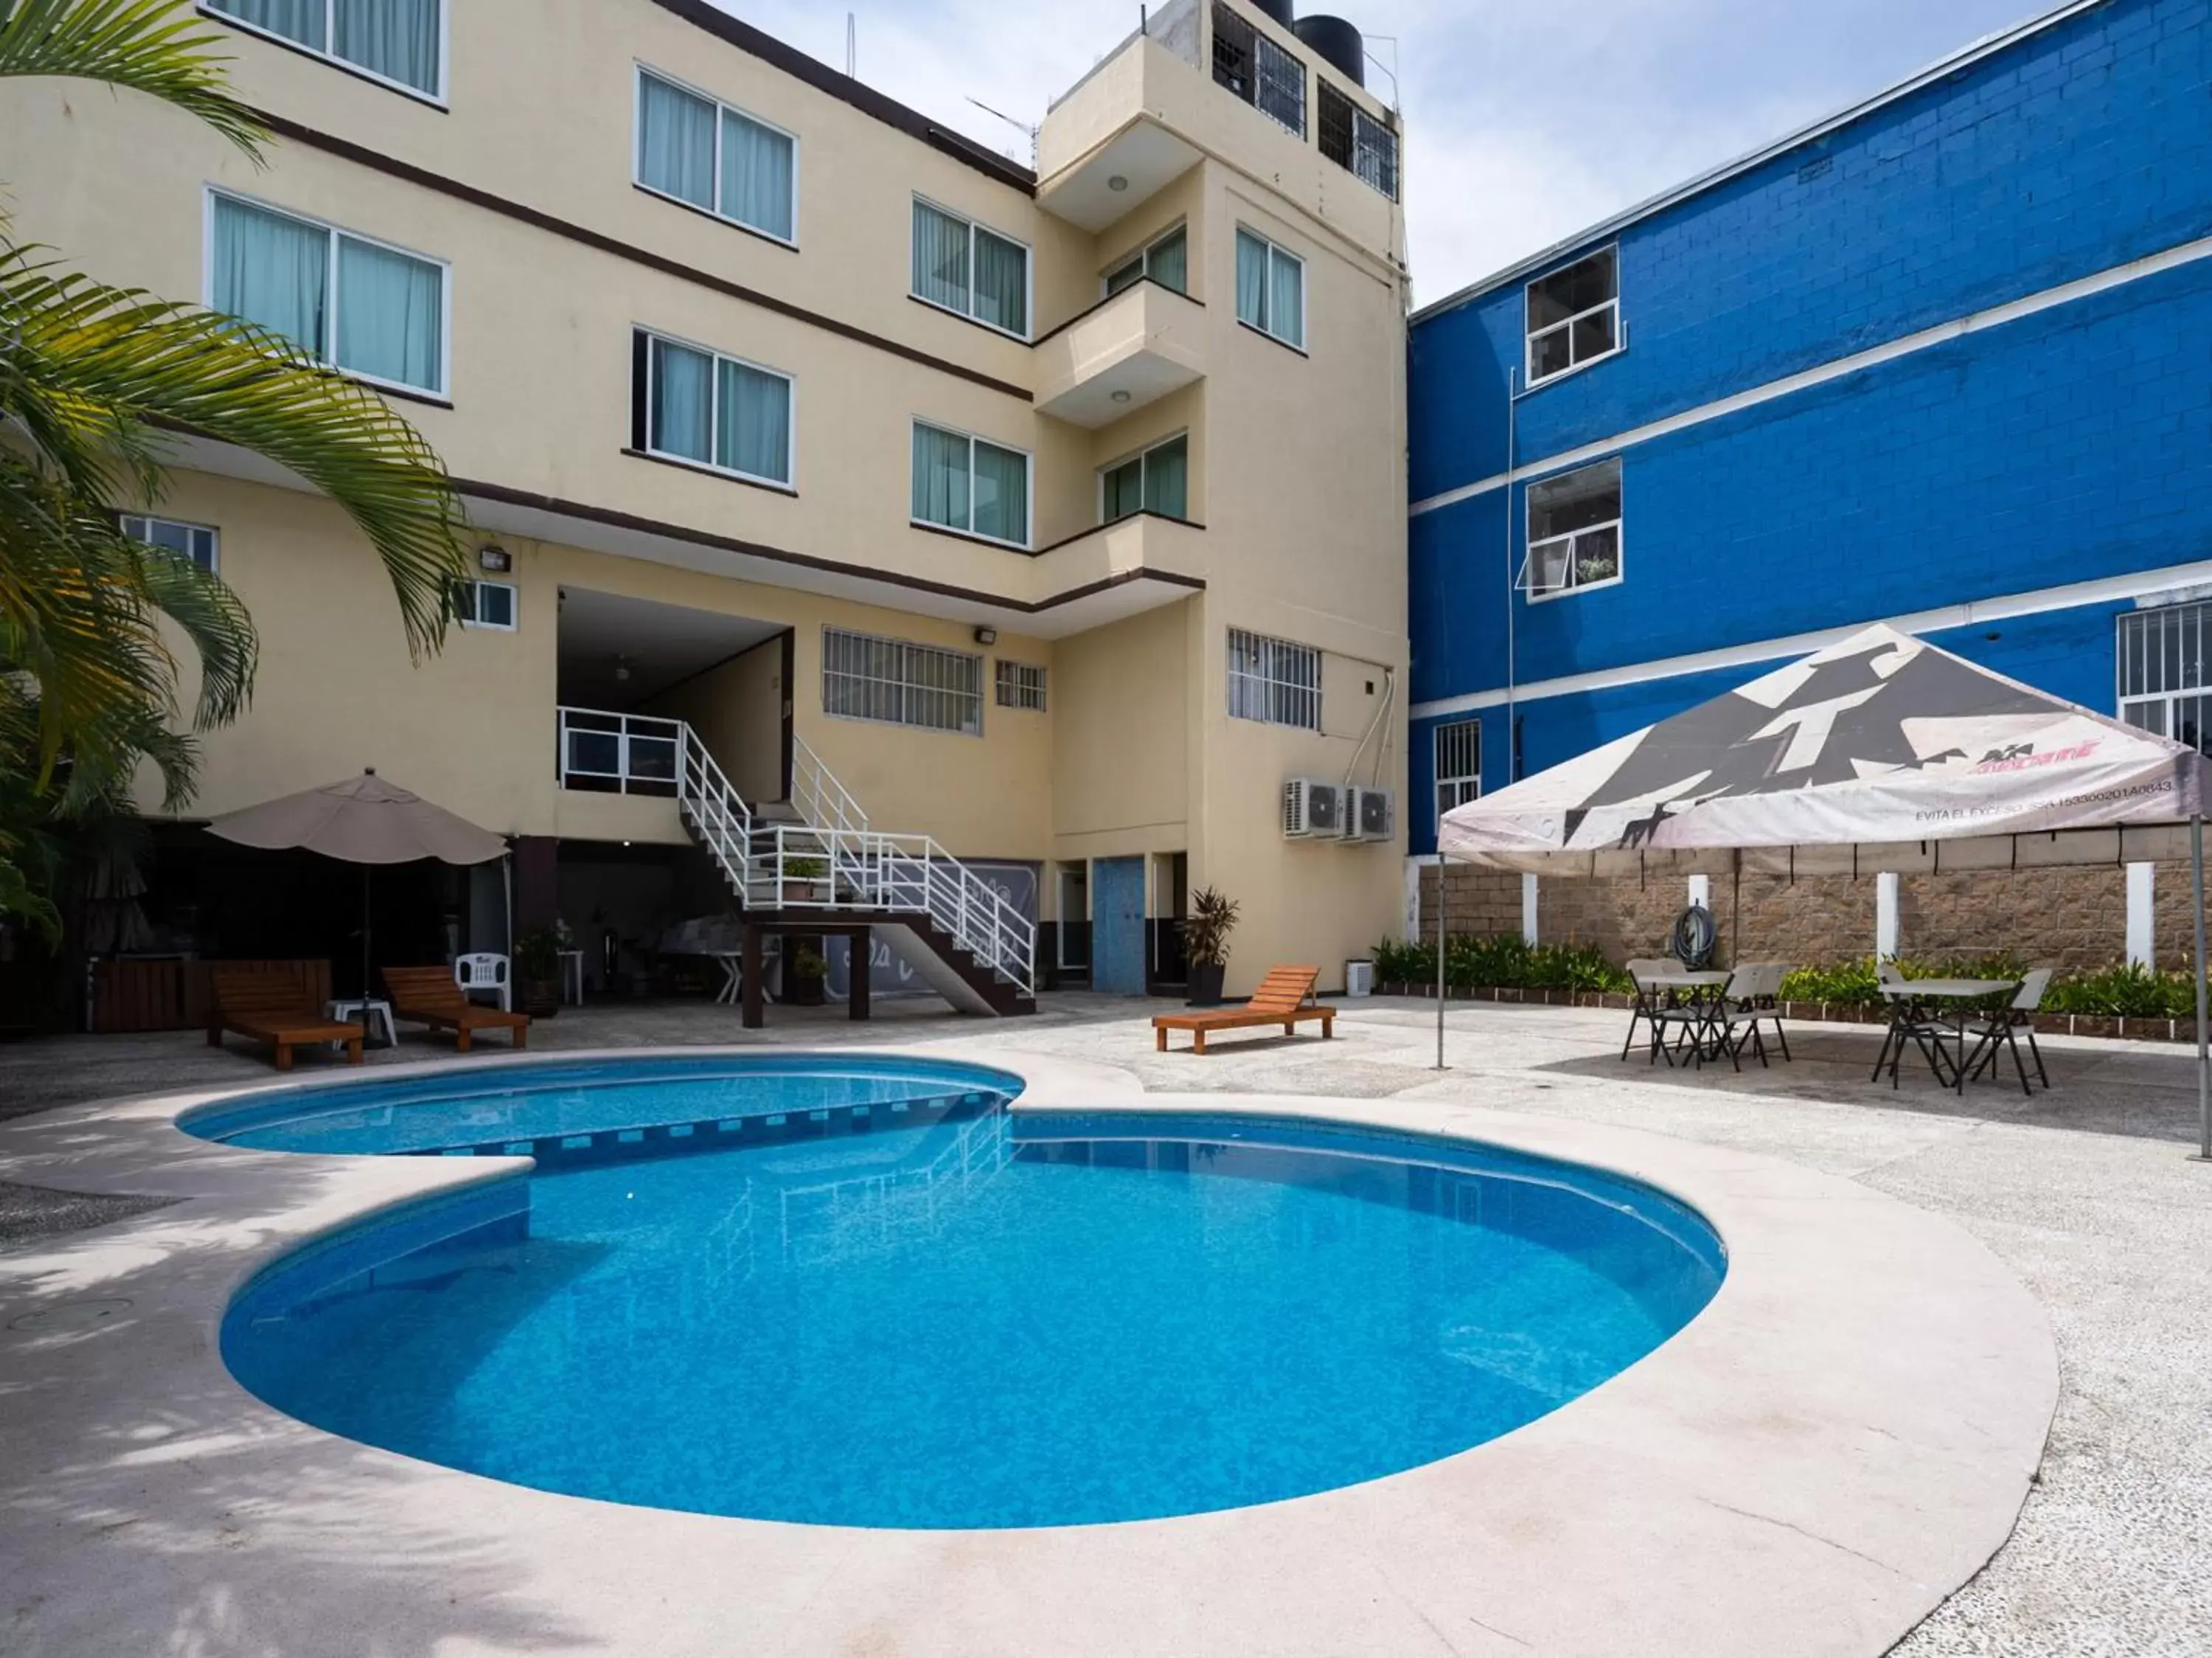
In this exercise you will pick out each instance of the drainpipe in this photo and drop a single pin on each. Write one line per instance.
(1512, 584)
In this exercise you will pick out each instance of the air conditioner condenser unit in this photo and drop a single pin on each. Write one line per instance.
(1313, 810)
(1372, 815)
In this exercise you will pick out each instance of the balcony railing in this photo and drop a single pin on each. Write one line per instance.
(619, 753)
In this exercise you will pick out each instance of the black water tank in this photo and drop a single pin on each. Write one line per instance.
(1337, 43)
(1278, 10)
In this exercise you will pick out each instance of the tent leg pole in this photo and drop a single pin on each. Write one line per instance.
(2203, 1035)
(1442, 867)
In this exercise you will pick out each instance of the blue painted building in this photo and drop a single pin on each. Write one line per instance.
(1944, 359)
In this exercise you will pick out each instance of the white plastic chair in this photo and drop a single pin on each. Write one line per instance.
(484, 972)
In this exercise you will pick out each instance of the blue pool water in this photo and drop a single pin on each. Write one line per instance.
(895, 1305)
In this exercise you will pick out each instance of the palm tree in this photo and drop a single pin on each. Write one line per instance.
(95, 384)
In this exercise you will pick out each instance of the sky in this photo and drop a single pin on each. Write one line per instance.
(1526, 120)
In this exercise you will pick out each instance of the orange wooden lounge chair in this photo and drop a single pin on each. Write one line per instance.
(273, 1008)
(1284, 997)
(427, 996)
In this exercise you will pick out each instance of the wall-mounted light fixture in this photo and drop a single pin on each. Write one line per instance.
(498, 560)
(987, 636)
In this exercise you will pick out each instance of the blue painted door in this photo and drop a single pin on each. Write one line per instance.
(1117, 926)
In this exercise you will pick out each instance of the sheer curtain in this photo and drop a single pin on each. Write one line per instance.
(391, 316)
(683, 402)
(756, 433)
(303, 20)
(940, 478)
(1002, 494)
(396, 38)
(675, 143)
(1169, 262)
(940, 258)
(273, 270)
(1286, 299)
(756, 176)
(1124, 491)
(1167, 478)
(1251, 280)
(1002, 282)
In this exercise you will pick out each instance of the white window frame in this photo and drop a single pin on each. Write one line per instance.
(723, 107)
(1618, 526)
(1531, 335)
(1029, 487)
(1142, 258)
(1145, 454)
(1268, 683)
(125, 521)
(1028, 271)
(473, 618)
(1463, 785)
(2147, 625)
(903, 685)
(333, 234)
(1020, 686)
(789, 483)
(1277, 251)
(437, 99)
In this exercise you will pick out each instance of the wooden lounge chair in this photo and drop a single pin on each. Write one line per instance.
(427, 996)
(1284, 997)
(274, 1008)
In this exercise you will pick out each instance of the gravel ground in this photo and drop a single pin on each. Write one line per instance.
(2087, 1191)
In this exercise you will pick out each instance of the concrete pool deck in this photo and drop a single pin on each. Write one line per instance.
(1837, 1443)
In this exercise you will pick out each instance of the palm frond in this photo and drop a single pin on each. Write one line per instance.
(95, 374)
(156, 46)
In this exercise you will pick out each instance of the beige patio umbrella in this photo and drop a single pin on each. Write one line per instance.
(364, 820)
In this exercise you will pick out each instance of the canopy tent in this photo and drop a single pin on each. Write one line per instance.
(364, 820)
(1882, 752)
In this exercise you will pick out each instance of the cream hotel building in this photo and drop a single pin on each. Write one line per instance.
(1051, 523)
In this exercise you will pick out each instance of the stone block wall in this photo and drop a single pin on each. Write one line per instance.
(2074, 920)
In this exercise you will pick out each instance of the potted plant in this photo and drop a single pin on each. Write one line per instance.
(1205, 944)
(809, 968)
(538, 972)
(802, 877)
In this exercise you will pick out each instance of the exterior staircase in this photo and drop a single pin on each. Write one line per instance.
(819, 858)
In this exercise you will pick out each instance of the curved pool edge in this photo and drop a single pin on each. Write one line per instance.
(1843, 1437)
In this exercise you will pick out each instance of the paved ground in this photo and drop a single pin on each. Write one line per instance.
(2087, 1191)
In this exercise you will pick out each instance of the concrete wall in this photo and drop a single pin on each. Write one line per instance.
(737, 710)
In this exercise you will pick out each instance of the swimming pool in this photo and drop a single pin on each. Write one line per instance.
(862, 1293)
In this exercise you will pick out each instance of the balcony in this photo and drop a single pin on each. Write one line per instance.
(1143, 342)
(1105, 560)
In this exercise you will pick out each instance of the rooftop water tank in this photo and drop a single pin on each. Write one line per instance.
(1278, 10)
(1337, 44)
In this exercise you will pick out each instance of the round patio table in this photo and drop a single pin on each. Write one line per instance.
(1931, 1013)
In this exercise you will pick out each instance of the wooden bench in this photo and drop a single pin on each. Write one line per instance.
(274, 1008)
(1284, 997)
(427, 996)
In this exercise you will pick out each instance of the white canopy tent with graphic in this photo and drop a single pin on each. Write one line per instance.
(1882, 752)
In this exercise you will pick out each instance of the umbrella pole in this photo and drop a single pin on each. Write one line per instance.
(1443, 869)
(2203, 1036)
(365, 991)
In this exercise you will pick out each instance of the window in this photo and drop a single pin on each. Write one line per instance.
(196, 542)
(1251, 65)
(1021, 685)
(1167, 262)
(349, 303)
(864, 678)
(718, 159)
(1270, 290)
(1357, 142)
(1159, 480)
(1574, 532)
(1459, 765)
(964, 483)
(972, 272)
(485, 604)
(692, 404)
(1273, 681)
(2164, 686)
(1574, 316)
(399, 41)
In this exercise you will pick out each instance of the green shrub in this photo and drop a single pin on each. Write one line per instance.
(2128, 992)
(1856, 984)
(1399, 963)
(1503, 963)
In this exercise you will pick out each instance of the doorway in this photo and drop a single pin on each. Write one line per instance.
(1117, 926)
(1165, 973)
(1072, 933)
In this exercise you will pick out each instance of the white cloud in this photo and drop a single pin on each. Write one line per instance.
(1526, 119)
